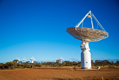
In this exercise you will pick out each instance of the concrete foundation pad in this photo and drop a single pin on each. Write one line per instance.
(85, 69)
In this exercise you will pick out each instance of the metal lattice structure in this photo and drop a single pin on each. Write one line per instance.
(87, 34)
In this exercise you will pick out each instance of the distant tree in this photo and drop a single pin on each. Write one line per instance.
(79, 65)
(20, 62)
(49, 63)
(9, 65)
(54, 65)
(71, 64)
(2, 65)
(74, 63)
(16, 60)
(35, 62)
(44, 63)
(112, 63)
(27, 61)
(117, 63)
(106, 62)
(57, 61)
(79, 62)
(67, 63)
(27, 66)
(97, 62)
(103, 63)
(63, 63)
(92, 63)
(38, 64)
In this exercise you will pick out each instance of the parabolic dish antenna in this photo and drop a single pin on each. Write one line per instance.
(87, 35)
(32, 59)
(24, 59)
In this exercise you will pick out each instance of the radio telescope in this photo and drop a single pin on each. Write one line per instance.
(60, 60)
(32, 59)
(87, 35)
(24, 59)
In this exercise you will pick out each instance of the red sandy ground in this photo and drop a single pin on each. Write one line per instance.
(62, 73)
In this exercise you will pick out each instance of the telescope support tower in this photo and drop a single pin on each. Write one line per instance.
(85, 55)
(31, 61)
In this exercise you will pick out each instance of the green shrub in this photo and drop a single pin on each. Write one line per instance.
(38, 64)
(55, 65)
(79, 65)
(27, 66)
(2, 66)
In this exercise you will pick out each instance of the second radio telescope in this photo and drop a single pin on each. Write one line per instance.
(32, 59)
(24, 59)
(60, 60)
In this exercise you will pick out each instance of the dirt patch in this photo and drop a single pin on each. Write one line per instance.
(62, 73)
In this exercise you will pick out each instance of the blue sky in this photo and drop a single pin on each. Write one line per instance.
(38, 28)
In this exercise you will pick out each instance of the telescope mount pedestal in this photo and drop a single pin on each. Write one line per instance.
(85, 55)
